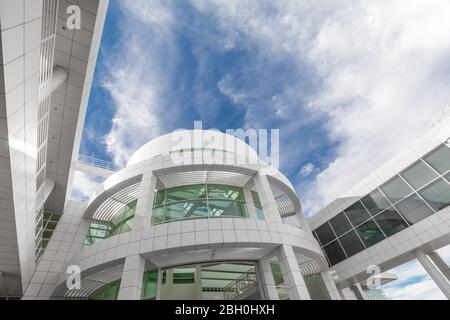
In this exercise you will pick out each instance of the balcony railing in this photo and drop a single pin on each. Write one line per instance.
(239, 286)
(95, 162)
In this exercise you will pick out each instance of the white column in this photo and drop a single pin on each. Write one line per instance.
(347, 293)
(359, 292)
(330, 285)
(249, 203)
(144, 206)
(132, 278)
(434, 273)
(293, 278)
(267, 283)
(441, 264)
(266, 197)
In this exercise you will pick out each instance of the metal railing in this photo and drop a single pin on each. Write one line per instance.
(239, 286)
(98, 163)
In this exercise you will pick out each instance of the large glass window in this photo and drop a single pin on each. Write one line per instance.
(107, 292)
(334, 252)
(225, 192)
(186, 210)
(439, 159)
(325, 233)
(413, 209)
(122, 222)
(198, 201)
(98, 230)
(419, 174)
(370, 233)
(390, 222)
(351, 243)
(227, 208)
(229, 281)
(414, 194)
(357, 214)
(185, 193)
(160, 197)
(396, 189)
(375, 202)
(340, 224)
(208, 281)
(280, 284)
(150, 285)
(437, 194)
(158, 215)
(183, 275)
(447, 176)
(258, 206)
(49, 225)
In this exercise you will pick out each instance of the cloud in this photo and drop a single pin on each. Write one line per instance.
(350, 82)
(375, 78)
(424, 290)
(153, 12)
(375, 62)
(84, 186)
(413, 281)
(135, 78)
(226, 88)
(307, 169)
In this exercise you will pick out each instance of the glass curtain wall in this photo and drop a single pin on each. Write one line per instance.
(107, 292)
(280, 284)
(258, 206)
(410, 196)
(207, 281)
(49, 226)
(122, 222)
(198, 201)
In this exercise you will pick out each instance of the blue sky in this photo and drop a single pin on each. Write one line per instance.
(336, 77)
(240, 86)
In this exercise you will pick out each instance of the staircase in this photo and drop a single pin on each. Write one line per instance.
(241, 288)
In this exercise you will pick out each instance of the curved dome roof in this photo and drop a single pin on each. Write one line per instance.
(191, 140)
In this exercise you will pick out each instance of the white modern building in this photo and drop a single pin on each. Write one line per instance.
(46, 71)
(398, 213)
(194, 214)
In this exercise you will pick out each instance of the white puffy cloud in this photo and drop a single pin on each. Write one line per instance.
(134, 122)
(153, 12)
(382, 81)
(413, 284)
(135, 77)
(226, 88)
(380, 65)
(423, 290)
(84, 186)
(380, 69)
(307, 169)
